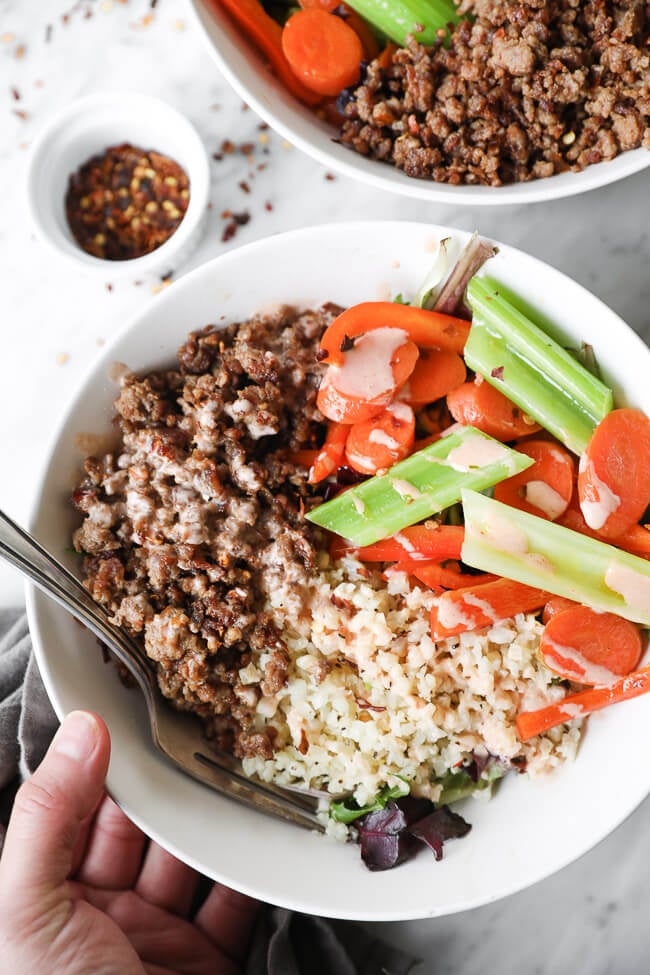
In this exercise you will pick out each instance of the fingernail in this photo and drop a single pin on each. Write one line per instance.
(77, 736)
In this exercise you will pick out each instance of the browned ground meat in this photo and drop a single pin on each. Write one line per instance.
(527, 88)
(199, 512)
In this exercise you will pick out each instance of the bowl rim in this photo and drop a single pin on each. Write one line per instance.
(383, 176)
(36, 600)
(198, 172)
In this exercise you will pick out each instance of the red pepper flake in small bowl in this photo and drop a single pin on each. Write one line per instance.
(125, 202)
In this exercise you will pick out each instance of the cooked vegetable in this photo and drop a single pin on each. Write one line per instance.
(635, 540)
(531, 723)
(440, 577)
(266, 34)
(431, 287)
(428, 329)
(358, 24)
(555, 605)
(484, 605)
(331, 455)
(589, 647)
(426, 542)
(379, 443)
(540, 553)
(398, 18)
(421, 485)
(360, 362)
(451, 299)
(544, 489)
(323, 51)
(531, 369)
(482, 406)
(436, 373)
(614, 477)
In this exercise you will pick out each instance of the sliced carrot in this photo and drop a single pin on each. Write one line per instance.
(344, 408)
(635, 540)
(555, 605)
(379, 443)
(352, 19)
(434, 418)
(428, 329)
(532, 723)
(483, 605)
(436, 373)
(266, 34)
(331, 455)
(545, 488)
(480, 405)
(426, 542)
(614, 475)
(323, 51)
(437, 576)
(589, 647)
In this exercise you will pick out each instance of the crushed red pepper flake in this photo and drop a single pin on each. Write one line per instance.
(268, 206)
(21, 114)
(126, 202)
(15, 94)
(237, 220)
(244, 187)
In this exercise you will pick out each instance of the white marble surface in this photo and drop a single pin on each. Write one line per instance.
(589, 919)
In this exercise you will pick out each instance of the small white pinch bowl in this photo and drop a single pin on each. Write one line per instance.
(87, 127)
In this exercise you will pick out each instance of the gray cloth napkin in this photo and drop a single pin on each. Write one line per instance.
(284, 943)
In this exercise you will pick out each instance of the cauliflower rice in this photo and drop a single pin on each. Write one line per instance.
(391, 701)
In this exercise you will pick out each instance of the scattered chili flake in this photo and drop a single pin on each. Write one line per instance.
(263, 126)
(21, 114)
(62, 358)
(7, 37)
(228, 147)
(497, 373)
(15, 94)
(126, 202)
(109, 286)
(268, 206)
(330, 177)
(244, 187)
(238, 220)
(246, 148)
(217, 156)
(20, 52)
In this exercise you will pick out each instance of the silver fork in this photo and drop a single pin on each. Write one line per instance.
(177, 734)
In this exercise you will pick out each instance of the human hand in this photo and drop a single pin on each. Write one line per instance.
(82, 891)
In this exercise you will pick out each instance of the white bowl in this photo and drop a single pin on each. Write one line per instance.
(530, 829)
(87, 127)
(249, 75)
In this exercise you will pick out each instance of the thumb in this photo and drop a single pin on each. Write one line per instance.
(48, 813)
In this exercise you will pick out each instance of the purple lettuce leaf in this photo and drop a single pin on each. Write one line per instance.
(383, 838)
(440, 825)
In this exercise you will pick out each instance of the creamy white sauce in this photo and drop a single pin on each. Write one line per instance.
(573, 710)
(633, 586)
(359, 505)
(405, 543)
(476, 452)
(485, 607)
(541, 495)
(502, 535)
(401, 411)
(597, 510)
(576, 666)
(450, 615)
(366, 372)
(381, 437)
(405, 489)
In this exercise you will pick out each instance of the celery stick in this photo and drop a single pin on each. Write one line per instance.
(423, 484)
(397, 18)
(537, 552)
(531, 369)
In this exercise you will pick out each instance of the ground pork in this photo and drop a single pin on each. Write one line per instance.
(199, 512)
(526, 89)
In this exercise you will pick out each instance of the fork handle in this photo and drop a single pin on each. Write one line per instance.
(23, 552)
